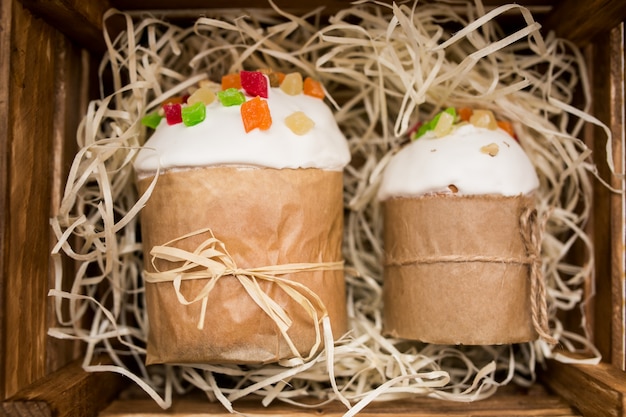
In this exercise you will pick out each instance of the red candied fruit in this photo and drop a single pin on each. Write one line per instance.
(255, 113)
(231, 81)
(313, 88)
(173, 113)
(254, 83)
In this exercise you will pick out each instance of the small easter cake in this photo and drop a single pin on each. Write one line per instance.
(242, 231)
(461, 235)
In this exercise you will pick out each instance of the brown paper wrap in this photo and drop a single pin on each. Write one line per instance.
(264, 217)
(458, 269)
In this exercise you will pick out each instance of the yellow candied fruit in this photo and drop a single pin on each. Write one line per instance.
(292, 84)
(492, 149)
(444, 125)
(201, 95)
(212, 85)
(299, 123)
(484, 118)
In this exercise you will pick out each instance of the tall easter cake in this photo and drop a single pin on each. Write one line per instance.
(243, 228)
(461, 235)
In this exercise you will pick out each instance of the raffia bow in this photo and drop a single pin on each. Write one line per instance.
(211, 261)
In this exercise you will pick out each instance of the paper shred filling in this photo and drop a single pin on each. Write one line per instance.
(385, 68)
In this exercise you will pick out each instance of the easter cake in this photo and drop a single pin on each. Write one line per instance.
(242, 231)
(462, 235)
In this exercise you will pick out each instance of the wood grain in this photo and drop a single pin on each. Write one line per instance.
(606, 63)
(71, 92)
(80, 21)
(595, 390)
(68, 392)
(581, 20)
(510, 401)
(5, 48)
(27, 193)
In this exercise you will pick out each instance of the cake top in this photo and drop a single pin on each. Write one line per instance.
(464, 153)
(253, 118)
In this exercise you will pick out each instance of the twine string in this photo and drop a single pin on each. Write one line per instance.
(211, 261)
(532, 232)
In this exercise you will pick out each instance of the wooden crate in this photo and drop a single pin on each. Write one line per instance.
(49, 52)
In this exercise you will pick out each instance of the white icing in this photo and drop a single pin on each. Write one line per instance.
(430, 165)
(221, 139)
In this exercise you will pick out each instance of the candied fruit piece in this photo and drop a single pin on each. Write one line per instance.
(484, 118)
(254, 83)
(465, 113)
(193, 114)
(507, 127)
(492, 149)
(173, 100)
(172, 113)
(231, 81)
(202, 95)
(211, 85)
(313, 88)
(152, 120)
(231, 97)
(444, 125)
(299, 123)
(256, 113)
(271, 76)
(450, 113)
(292, 84)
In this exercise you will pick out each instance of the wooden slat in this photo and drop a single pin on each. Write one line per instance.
(27, 146)
(581, 20)
(509, 401)
(71, 93)
(69, 392)
(606, 63)
(5, 47)
(80, 21)
(595, 390)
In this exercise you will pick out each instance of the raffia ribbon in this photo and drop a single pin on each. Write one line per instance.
(531, 230)
(211, 261)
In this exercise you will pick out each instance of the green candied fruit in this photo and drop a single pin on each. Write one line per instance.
(432, 124)
(231, 97)
(151, 120)
(194, 114)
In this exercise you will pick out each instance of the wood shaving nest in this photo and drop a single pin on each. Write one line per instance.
(384, 67)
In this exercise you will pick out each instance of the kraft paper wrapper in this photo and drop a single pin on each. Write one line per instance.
(468, 302)
(264, 217)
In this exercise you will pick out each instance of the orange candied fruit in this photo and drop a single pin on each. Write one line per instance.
(231, 81)
(507, 127)
(255, 113)
(465, 113)
(313, 88)
(174, 100)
